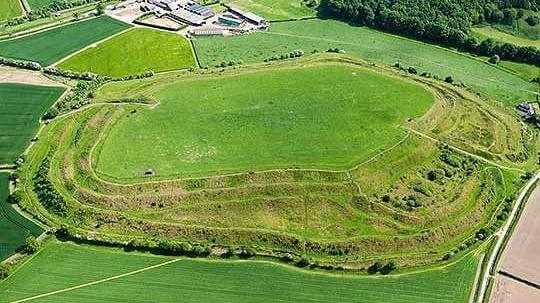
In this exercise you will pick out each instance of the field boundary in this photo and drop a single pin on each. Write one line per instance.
(96, 282)
(91, 46)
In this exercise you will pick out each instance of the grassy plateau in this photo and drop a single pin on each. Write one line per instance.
(10, 9)
(64, 265)
(22, 106)
(325, 117)
(368, 44)
(13, 226)
(50, 46)
(136, 51)
(402, 201)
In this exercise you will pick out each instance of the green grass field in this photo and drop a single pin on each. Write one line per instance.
(63, 265)
(52, 45)
(316, 117)
(370, 45)
(13, 226)
(492, 32)
(275, 9)
(134, 52)
(10, 9)
(37, 4)
(22, 106)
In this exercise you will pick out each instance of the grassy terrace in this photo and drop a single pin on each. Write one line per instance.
(22, 107)
(65, 265)
(50, 46)
(136, 51)
(370, 45)
(404, 204)
(328, 117)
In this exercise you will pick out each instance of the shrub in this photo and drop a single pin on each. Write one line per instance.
(303, 262)
(31, 245)
(449, 79)
(388, 268)
(5, 270)
(375, 268)
(494, 59)
(532, 20)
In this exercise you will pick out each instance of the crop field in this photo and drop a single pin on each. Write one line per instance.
(491, 32)
(136, 51)
(52, 45)
(10, 9)
(13, 226)
(368, 44)
(326, 119)
(22, 106)
(275, 9)
(65, 265)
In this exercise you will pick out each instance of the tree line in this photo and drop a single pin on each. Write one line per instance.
(446, 22)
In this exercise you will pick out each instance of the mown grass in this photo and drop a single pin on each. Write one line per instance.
(136, 51)
(52, 45)
(275, 9)
(492, 32)
(13, 226)
(22, 106)
(368, 44)
(328, 116)
(9, 9)
(63, 265)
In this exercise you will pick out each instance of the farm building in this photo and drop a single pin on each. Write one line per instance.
(187, 17)
(206, 31)
(230, 21)
(200, 10)
(169, 5)
(251, 17)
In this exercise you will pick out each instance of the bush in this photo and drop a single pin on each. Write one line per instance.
(31, 245)
(449, 79)
(303, 262)
(20, 64)
(375, 268)
(388, 268)
(494, 59)
(5, 270)
(532, 20)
